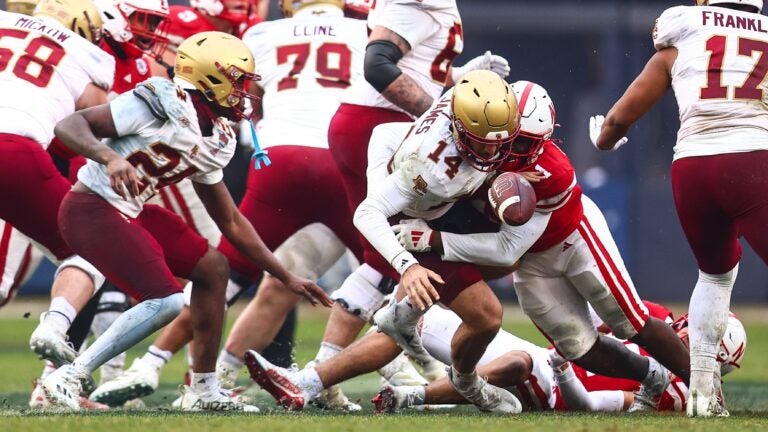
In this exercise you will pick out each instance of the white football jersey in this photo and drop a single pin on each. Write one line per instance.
(160, 136)
(305, 63)
(45, 69)
(426, 165)
(719, 78)
(434, 31)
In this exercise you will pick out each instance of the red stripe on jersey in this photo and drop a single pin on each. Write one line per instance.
(610, 272)
(541, 395)
(183, 207)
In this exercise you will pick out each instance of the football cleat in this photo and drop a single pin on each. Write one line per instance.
(488, 398)
(140, 380)
(281, 383)
(699, 405)
(394, 398)
(37, 400)
(213, 401)
(405, 334)
(50, 343)
(333, 398)
(433, 370)
(648, 396)
(62, 388)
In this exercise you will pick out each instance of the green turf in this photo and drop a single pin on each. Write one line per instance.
(746, 391)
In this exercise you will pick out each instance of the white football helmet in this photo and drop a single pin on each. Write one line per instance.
(537, 122)
(733, 345)
(756, 3)
(138, 24)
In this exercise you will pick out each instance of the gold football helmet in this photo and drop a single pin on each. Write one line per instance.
(219, 65)
(80, 16)
(21, 6)
(485, 119)
(289, 7)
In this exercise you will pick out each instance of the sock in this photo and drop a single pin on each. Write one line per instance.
(463, 380)
(156, 357)
(204, 382)
(654, 368)
(230, 360)
(47, 370)
(418, 394)
(309, 381)
(61, 313)
(707, 321)
(129, 329)
(326, 351)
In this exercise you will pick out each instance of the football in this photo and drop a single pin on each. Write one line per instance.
(512, 198)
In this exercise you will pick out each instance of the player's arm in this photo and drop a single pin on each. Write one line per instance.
(385, 48)
(92, 95)
(647, 89)
(236, 228)
(387, 200)
(502, 248)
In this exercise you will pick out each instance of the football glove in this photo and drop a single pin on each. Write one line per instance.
(487, 61)
(414, 235)
(595, 126)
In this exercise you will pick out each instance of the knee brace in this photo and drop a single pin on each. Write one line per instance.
(78, 262)
(361, 293)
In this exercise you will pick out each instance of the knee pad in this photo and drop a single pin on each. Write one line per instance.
(113, 301)
(574, 346)
(360, 293)
(310, 251)
(78, 262)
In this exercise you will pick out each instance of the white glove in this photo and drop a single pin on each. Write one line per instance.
(487, 61)
(414, 235)
(595, 126)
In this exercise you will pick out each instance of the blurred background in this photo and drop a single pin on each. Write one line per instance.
(585, 52)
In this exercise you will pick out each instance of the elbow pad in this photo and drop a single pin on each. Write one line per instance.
(381, 57)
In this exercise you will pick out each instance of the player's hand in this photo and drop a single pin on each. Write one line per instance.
(417, 283)
(596, 126)
(487, 61)
(309, 290)
(414, 235)
(123, 178)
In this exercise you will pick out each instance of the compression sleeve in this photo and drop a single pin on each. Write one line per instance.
(501, 248)
(380, 67)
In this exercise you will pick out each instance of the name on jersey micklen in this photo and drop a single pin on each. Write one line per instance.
(314, 30)
(719, 19)
(39, 26)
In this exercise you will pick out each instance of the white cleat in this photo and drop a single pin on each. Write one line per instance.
(648, 396)
(280, 382)
(213, 401)
(405, 333)
(226, 375)
(140, 380)
(699, 405)
(62, 388)
(37, 400)
(489, 398)
(50, 343)
(395, 398)
(433, 370)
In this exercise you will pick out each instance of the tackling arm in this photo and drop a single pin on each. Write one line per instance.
(640, 96)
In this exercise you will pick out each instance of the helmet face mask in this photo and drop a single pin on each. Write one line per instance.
(221, 67)
(484, 119)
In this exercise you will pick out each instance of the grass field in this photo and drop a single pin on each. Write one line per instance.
(746, 393)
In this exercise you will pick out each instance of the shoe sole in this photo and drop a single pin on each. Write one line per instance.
(116, 398)
(263, 378)
(384, 401)
(52, 354)
(59, 401)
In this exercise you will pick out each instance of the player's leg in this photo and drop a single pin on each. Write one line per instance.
(154, 285)
(597, 271)
(704, 207)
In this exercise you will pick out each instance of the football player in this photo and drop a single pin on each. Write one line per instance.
(570, 262)
(184, 124)
(706, 53)
(446, 154)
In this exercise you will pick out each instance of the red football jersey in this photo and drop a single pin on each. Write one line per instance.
(184, 21)
(129, 70)
(558, 193)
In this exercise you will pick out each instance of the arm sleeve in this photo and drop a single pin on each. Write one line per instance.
(667, 30)
(130, 114)
(208, 178)
(372, 214)
(578, 398)
(502, 248)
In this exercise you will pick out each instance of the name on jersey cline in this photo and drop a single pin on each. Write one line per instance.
(54, 33)
(317, 30)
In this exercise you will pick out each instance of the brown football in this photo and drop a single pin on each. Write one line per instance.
(512, 198)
